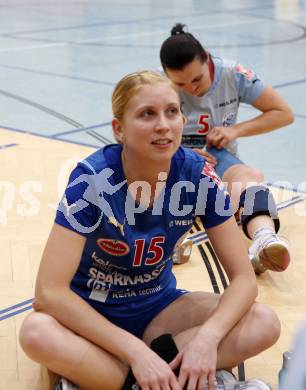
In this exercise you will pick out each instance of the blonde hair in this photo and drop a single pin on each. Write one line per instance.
(129, 85)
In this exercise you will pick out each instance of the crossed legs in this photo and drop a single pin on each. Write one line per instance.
(258, 329)
(49, 343)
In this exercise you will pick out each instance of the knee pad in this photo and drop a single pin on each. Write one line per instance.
(165, 347)
(255, 201)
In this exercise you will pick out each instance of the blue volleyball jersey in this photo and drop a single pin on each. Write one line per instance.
(127, 254)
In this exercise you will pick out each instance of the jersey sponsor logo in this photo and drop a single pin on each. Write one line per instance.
(226, 103)
(128, 293)
(209, 171)
(104, 265)
(100, 280)
(180, 222)
(193, 140)
(113, 247)
(123, 294)
(247, 73)
(228, 119)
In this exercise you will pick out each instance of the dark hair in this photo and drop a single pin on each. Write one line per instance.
(180, 49)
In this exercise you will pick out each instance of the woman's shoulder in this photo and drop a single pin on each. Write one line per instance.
(189, 162)
(224, 71)
(106, 157)
(223, 63)
(188, 155)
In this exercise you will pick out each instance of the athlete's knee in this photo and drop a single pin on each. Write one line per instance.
(243, 174)
(266, 326)
(255, 175)
(34, 336)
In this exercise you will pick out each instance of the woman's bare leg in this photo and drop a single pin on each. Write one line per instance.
(48, 342)
(256, 331)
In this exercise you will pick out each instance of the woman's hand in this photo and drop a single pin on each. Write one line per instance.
(220, 136)
(153, 373)
(197, 362)
(209, 157)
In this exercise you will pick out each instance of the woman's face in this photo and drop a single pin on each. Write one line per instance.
(194, 78)
(152, 124)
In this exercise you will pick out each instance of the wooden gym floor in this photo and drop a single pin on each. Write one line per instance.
(59, 62)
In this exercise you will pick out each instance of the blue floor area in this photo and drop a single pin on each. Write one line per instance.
(59, 62)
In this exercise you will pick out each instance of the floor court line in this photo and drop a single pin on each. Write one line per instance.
(115, 37)
(10, 308)
(135, 21)
(81, 129)
(92, 81)
(48, 137)
(40, 107)
(288, 84)
(7, 146)
(284, 187)
(6, 316)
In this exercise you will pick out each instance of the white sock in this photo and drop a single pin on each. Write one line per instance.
(263, 231)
